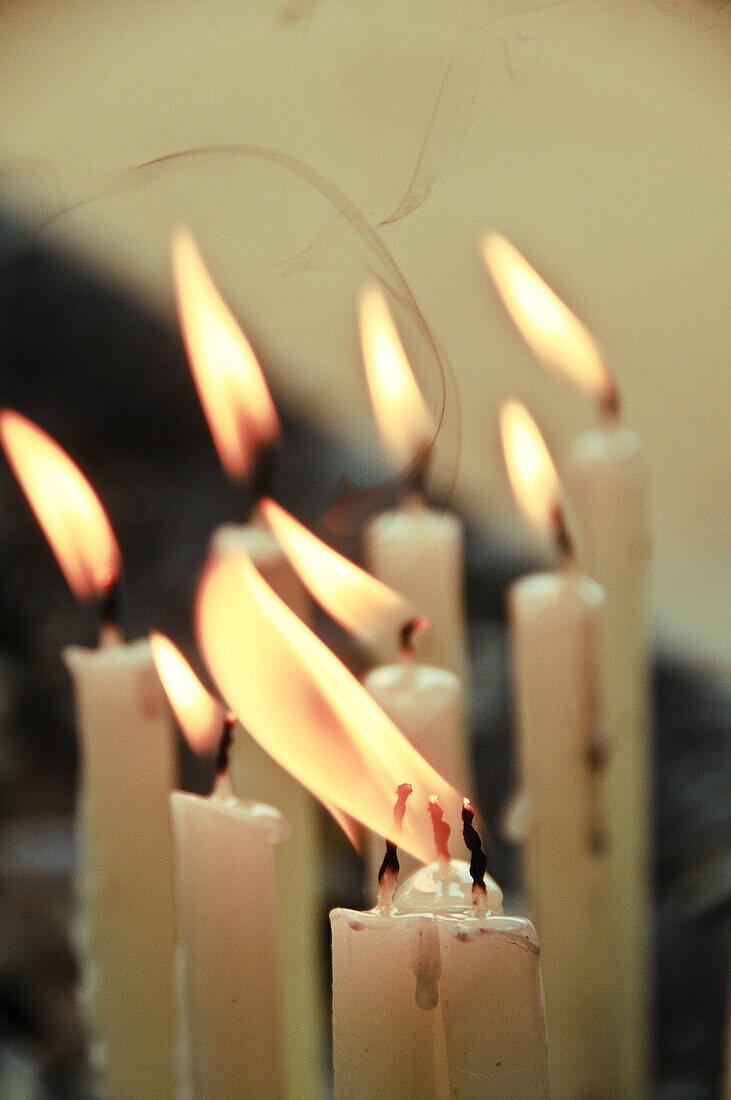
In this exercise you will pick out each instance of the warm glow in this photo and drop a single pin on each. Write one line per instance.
(553, 333)
(235, 399)
(530, 467)
(199, 715)
(306, 710)
(360, 603)
(65, 505)
(405, 425)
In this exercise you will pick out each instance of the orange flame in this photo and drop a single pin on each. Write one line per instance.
(64, 504)
(199, 715)
(405, 425)
(530, 467)
(355, 599)
(555, 335)
(305, 709)
(231, 387)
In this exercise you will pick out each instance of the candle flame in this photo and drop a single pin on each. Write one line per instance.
(64, 504)
(355, 599)
(531, 471)
(305, 709)
(231, 387)
(199, 715)
(405, 425)
(554, 334)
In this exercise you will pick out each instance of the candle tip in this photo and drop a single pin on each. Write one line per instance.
(389, 872)
(441, 829)
(478, 859)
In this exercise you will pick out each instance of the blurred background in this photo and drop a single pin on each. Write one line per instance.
(328, 143)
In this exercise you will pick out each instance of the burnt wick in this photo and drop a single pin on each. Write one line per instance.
(478, 859)
(388, 874)
(441, 829)
(564, 542)
(407, 632)
(109, 629)
(261, 480)
(224, 745)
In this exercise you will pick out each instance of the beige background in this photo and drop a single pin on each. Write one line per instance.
(595, 134)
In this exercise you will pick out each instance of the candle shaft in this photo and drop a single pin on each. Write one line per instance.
(126, 927)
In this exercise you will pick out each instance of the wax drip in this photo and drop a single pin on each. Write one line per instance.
(441, 830)
(388, 874)
(478, 859)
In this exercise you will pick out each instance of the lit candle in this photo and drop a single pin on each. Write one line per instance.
(556, 638)
(438, 994)
(245, 426)
(415, 550)
(608, 487)
(390, 970)
(426, 704)
(125, 929)
(230, 1019)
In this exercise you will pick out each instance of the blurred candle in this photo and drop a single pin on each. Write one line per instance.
(414, 550)
(125, 929)
(608, 486)
(438, 995)
(556, 639)
(231, 1026)
(426, 704)
(245, 427)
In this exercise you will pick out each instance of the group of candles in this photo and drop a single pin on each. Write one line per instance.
(197, 918)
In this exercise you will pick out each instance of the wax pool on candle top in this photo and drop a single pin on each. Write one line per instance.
(126, 929)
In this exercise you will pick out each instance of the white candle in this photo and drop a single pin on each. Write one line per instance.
(427, 705)
(298, 867)
(556, 622)
(244, 423)
(228, 938)
(414, 550)
(432, 999)
(127, 929)
(556, 637)
(607, 480)
(607, 484)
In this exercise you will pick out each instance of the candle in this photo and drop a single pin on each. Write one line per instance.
(438, 994)
(426, 704)
(556, 638)
(326, 729)
(607, 483)
(245, 426)
(414, 550)
(125, 930)
(231, 1026)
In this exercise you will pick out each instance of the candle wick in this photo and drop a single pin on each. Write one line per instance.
(110, 633)
(478, 859)
(389, 872)
(441, 832)
(407, 653)
(261, 479)
(224, 745)
(562, 536)
(610, 403)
